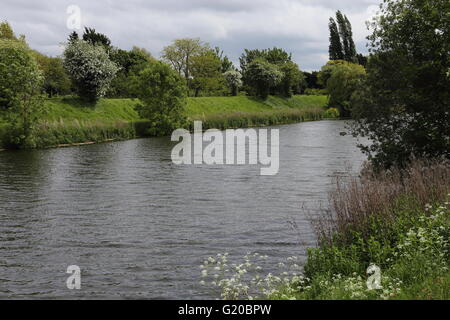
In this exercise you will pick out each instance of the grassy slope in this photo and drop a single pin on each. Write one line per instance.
(68, 120)
(123, 109)
(223, 105)
(108, 110)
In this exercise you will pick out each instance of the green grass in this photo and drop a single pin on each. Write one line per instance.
(107, 110)
(69, 120)
(206, 106)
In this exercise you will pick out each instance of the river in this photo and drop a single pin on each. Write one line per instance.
(139, 226)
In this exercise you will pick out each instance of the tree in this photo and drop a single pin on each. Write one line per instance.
(292, 80)
(327, 70)
(312, 81)
(162, 94)
(234, 81)
(280, 60)
(20, 85)
(95, 38)
(206, 73)
(227, 65)
(130, 64)
(403, 106)
(73, 37)
(342, 46)
(90, 68)
(263, 76)
(344, 80)
(56, 79)
(180, 53)
(336, 52)
(6, 32)
(362, 59)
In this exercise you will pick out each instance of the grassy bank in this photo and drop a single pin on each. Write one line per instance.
(241, 112)
(69, 121)
(397, 222)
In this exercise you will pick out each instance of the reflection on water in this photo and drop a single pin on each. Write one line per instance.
(139, 226)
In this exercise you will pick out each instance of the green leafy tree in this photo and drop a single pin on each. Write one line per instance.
(206, 74)
(130, 64)
(180, 53)
(227, 65)
(90, 68)
(403, 106)
(263, 76)
(233, 79)
(327, 70)
(56, 79)
(343, 82)
(20, 84)
(162, 94)
(293, 79)
(6, 32)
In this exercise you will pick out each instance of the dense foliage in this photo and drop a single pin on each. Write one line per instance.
(404, 106)
(342, 45)
(234, 81)
(162, 94)
(20, 86)
(90, 68)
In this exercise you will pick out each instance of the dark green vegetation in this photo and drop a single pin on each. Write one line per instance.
(404, 103)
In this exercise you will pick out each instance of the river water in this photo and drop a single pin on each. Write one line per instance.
(139, 226)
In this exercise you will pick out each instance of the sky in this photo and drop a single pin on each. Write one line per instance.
(298, 26)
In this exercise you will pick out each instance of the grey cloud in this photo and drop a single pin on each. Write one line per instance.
(299, 26)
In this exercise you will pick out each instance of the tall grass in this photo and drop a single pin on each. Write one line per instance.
(257, 119)
(60, 133)
(357, 201)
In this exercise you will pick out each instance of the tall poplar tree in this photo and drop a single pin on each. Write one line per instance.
(342, 46)
(335, 50)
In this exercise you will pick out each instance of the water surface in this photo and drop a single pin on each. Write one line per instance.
(140, 226)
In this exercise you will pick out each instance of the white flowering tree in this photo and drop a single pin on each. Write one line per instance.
(90, 69)
(234, 81)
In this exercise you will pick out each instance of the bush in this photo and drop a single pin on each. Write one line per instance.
(332, 113)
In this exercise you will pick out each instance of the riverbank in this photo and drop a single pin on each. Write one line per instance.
(384, 237)
(68, 121)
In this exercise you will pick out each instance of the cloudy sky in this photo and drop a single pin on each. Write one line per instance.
(299, 26)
